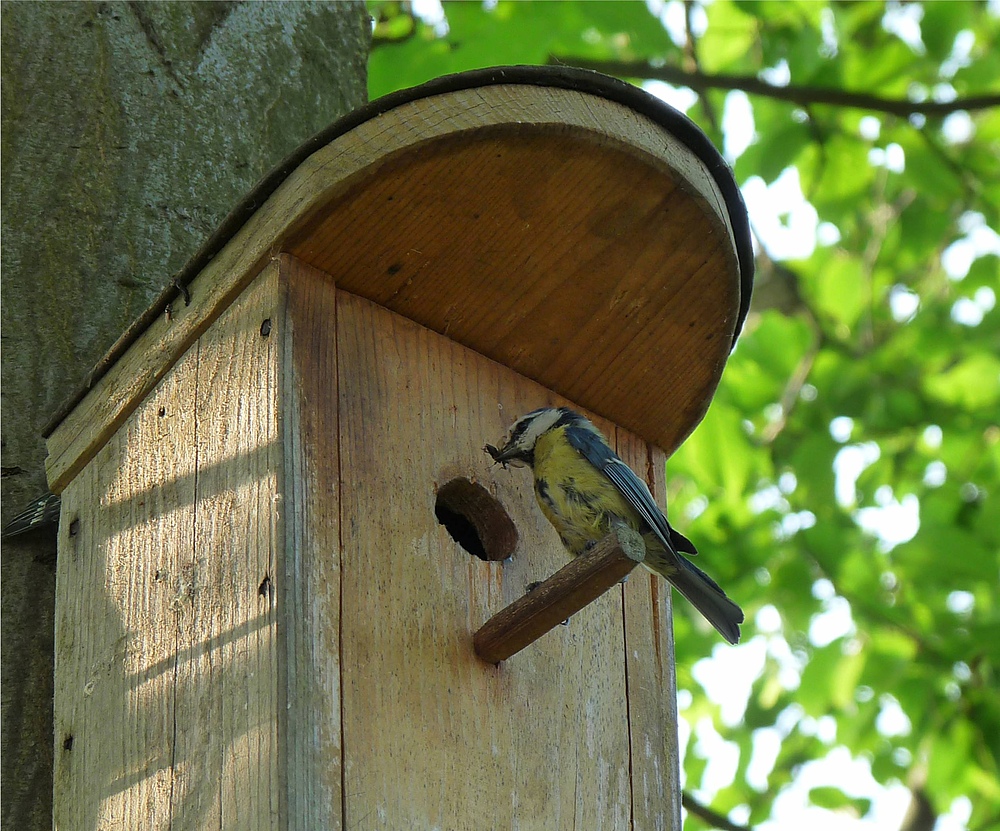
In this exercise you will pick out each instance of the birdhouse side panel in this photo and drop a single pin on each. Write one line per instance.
(167, 684)
(433, 736)
(124, 539)
(649, 656)
(231, 680)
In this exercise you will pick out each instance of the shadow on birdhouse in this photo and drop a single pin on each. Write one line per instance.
(285, 529)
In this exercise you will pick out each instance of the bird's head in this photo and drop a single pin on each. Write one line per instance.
(518, 448)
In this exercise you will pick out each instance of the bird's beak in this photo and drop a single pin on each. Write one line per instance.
(508, 454)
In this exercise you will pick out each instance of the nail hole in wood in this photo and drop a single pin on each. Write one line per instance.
(475, 520)
(161, 412)
(68, 742)
(74, 527)
(265, 328)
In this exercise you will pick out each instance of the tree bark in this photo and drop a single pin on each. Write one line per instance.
(128, 132)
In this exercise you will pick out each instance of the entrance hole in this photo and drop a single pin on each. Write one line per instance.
(475, 519)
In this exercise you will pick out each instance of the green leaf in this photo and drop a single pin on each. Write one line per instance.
(984, 271)
(718, 453)
(845, 681)
(921, 231)
(834, 799)
(840, 291)
(764, 360)
(941, 22)
(971, 384)
(982, 71)
(728, 43)
(812, 459)
(773, 149)
(939, 184)
(817, 680)
(829, 680)
(924, 556)
(836, 175)
(889, 76)
(947, 760)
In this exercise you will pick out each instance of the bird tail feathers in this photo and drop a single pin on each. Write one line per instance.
(708, 598)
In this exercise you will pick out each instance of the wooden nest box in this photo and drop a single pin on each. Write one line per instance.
(262, 621)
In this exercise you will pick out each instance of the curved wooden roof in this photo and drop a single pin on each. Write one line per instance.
(563, 223)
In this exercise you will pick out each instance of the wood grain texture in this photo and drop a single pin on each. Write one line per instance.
(226, 771)
(125, 529)
(652, 685)
(557, 232)
(309, 580)
(263, 624)
(434, 737)
(166, 692)
(557, 598)
(114, 397)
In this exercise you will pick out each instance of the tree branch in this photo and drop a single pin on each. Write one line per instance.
(691, 52)
(793, 93)
(792, 391)
(706, 814)
(920, 815)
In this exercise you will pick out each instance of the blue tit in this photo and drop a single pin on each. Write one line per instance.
(584, 489)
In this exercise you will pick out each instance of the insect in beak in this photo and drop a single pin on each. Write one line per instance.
(495, 454)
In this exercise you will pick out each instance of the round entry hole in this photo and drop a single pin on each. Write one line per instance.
(475, 520)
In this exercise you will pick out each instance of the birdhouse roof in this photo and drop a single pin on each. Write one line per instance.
(563, 223)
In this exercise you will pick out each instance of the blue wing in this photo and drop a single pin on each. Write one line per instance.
(596, 451)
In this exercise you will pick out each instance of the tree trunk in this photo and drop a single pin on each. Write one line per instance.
(129, 130)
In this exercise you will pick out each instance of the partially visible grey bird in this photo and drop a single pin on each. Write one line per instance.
(40, 515)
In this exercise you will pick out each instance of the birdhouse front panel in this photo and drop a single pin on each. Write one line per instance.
(430, 732)
(432, 735)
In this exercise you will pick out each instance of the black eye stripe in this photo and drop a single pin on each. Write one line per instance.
(565, 416)
(522, 426)
(518, 430)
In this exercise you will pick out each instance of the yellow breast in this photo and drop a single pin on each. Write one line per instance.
(579, 500)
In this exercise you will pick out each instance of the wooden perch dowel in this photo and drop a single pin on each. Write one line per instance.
(567, 591)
